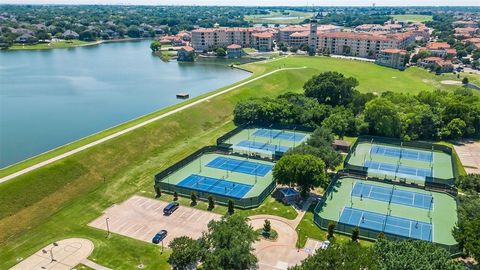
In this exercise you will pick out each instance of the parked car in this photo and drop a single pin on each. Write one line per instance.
(325, 244)
(170, 208)
(159, 236)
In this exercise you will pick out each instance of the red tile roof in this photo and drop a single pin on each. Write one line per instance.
(187, 48)
(234, 46)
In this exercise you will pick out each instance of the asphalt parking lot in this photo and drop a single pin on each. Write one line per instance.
(141, 218)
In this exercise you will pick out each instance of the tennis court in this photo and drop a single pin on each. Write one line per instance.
(392, 195)
(215, 186)
(279, 134)
(262, 146)
(389, 224)
(241, 166)
(402, 153)
(397, 170)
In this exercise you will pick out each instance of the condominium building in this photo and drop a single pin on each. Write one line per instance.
(394, 58)
(365, 45)
(208, 38)
(262, 41)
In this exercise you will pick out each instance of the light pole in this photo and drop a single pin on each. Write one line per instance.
(52, 259)
(108, 227)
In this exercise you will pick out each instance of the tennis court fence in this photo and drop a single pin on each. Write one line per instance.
(364, 233)
(222, 140)
(161, 186)
(430, 181)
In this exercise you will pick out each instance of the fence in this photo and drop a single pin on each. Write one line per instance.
(171, 188)
(433, 182)
(364, 233)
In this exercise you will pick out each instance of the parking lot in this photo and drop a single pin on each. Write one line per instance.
(141, 218)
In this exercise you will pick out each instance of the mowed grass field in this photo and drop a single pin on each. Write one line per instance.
(277, 17)
(413, 17)
(52, 45)
(57, 201)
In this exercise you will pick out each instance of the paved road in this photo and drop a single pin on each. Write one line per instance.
(146, 122)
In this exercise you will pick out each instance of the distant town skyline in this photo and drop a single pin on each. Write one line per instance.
(256, 2)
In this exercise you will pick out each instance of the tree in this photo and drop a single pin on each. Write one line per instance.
(193, 198)
(155, 46)
(211, 203)
(383, 118)
(306, 171)
(175, 196)
(412, 254)
(454, 129)
(331, 88)
(229, 243)
(341, 122)
(340, 256)
(355, 234)
(465, 80)
(133, 32)
(470, 182)
(467, 229)
(186, 253)
(231, 207)
(220, 52)
(87, 36)
(331, 229)
(267, 227)
(294, 49)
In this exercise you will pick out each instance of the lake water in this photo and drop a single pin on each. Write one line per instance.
(52, 97)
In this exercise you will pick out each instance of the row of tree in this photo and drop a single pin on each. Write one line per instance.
(331, 100)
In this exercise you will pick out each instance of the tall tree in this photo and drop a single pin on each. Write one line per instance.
(383, 118)
(339, 256)
(229, 243)
(306, 171)
(186, 253)
(331, 88)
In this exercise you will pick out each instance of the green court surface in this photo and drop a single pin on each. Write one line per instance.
(199, 167)
(442, 217)
(265, 142)
(438, 164)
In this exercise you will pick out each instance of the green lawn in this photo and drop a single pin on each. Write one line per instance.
(413, 17)
(277, 17)
(58, 200)
(53, 45)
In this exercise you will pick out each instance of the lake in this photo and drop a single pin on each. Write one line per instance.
(52, 97)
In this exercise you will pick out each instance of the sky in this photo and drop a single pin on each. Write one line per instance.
(259, 2)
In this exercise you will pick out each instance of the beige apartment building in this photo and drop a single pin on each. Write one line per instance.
(394, 58)
(206, 38)
(366, 45)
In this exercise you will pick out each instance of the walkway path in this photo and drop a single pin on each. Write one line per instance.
(281, 253)
(67, 254)
(146, 122)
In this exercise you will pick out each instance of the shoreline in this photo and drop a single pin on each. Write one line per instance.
(151, 117)
(93, 43)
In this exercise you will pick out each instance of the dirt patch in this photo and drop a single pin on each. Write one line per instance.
(451, 82)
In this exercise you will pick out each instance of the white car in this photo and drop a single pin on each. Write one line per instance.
(325, 244)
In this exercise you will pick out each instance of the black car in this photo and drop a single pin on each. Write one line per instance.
(159, 236)
(170, 208)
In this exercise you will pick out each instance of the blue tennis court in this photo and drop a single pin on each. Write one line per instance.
(398, 171)
(279, 134)
(385, 194)
(215, 186)
(388, 224)
(262, 146)
(241, 166)
(401, 153)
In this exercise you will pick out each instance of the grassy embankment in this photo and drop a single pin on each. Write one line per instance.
(413, 17)
(53, 45)
(58, 200)
(294, 17)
